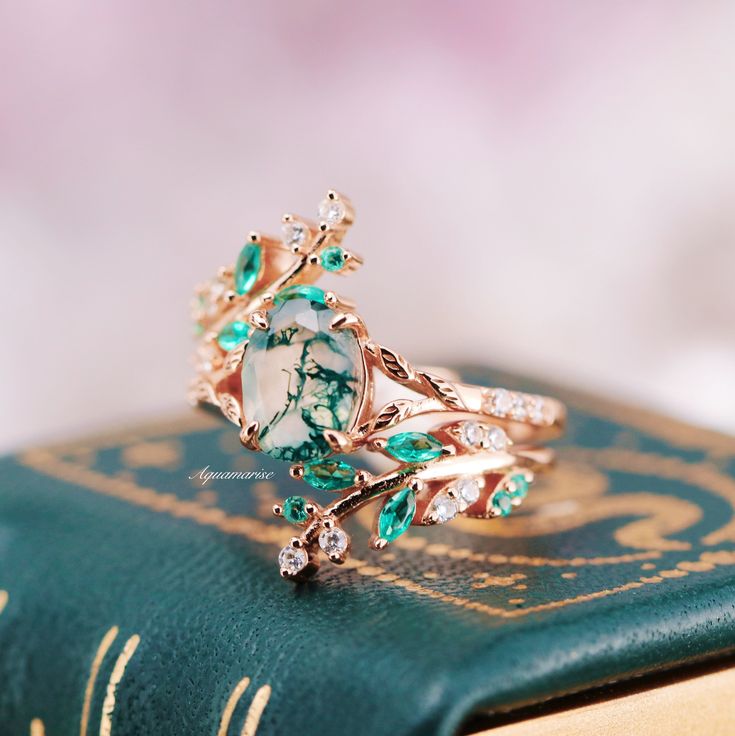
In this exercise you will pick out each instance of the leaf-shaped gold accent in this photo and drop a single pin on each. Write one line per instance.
(391, 414)
(396, 365)
(444, 390)
(230, 408)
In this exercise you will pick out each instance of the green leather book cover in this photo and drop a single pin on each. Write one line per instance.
(137, 600)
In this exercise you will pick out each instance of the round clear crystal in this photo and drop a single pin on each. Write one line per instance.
(292, 560)
(518, 410)
(334, 541)
(331, 211)
(444, 508)
(496, 438)
(294, 233)
(468, 490)
(537, 410)
(471, 434)
(502, 402)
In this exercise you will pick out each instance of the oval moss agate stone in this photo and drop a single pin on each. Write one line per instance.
(300, 378)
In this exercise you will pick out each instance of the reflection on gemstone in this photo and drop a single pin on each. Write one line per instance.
(247, 268)
(397, 514)
(300, 378)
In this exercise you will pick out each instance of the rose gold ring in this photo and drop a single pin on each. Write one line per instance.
(295, 368)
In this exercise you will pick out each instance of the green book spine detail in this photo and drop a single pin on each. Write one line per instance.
(138, 597)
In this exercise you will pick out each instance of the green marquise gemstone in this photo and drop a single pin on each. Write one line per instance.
(329, 475)
(232, 334)
(397, 514)
(413, 447)
(300, 378)
(300, 291)
(520, 486)
(502, 503)
(247, 268)
(294, 509)
(333, 258)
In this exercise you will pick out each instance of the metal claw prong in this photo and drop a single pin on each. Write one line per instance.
(311, 508)
(313, 259)
(348, 321)
(362, 478)
(296, 542)
(351, 259)
(378, 543)
(296, 471)
(378, 444)
(259, 320)
(330, 299)
(449, 450)
(338, 441)
(277, 509)
(229, 296)
(328, 523)
(416, 484)
(249, 436)
(253, 236)
(336, 558)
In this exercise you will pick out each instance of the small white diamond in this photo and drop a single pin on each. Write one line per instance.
(331, 211)
(519, 410)
(294, 233)
(333, 541)
(292, 560)
(471, 434)
(537, 410)
(468, 490)
(444, 508)
(502, 402)
(496, 438)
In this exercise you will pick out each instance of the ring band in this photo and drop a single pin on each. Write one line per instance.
(294, 367)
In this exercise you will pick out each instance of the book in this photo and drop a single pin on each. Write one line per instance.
(139, 594)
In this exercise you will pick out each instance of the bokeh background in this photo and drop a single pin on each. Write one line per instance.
(547, 187)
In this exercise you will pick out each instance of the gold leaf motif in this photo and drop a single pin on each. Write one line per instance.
(391, 414)
(230, 408)
(444, 391)
(396, 365)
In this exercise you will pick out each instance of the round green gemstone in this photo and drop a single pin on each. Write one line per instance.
(232, 334)
(300, 291)
(294, 509)
(333, 258)
(413, 447)
(329, 475)
(502, 503)
(397, 514)
(520, 484)
(248, 267)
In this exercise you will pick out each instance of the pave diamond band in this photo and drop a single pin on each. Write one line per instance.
(294, 367)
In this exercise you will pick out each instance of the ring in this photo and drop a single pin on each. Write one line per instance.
(295, 368)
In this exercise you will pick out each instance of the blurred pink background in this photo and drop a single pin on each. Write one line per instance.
(559, 177)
